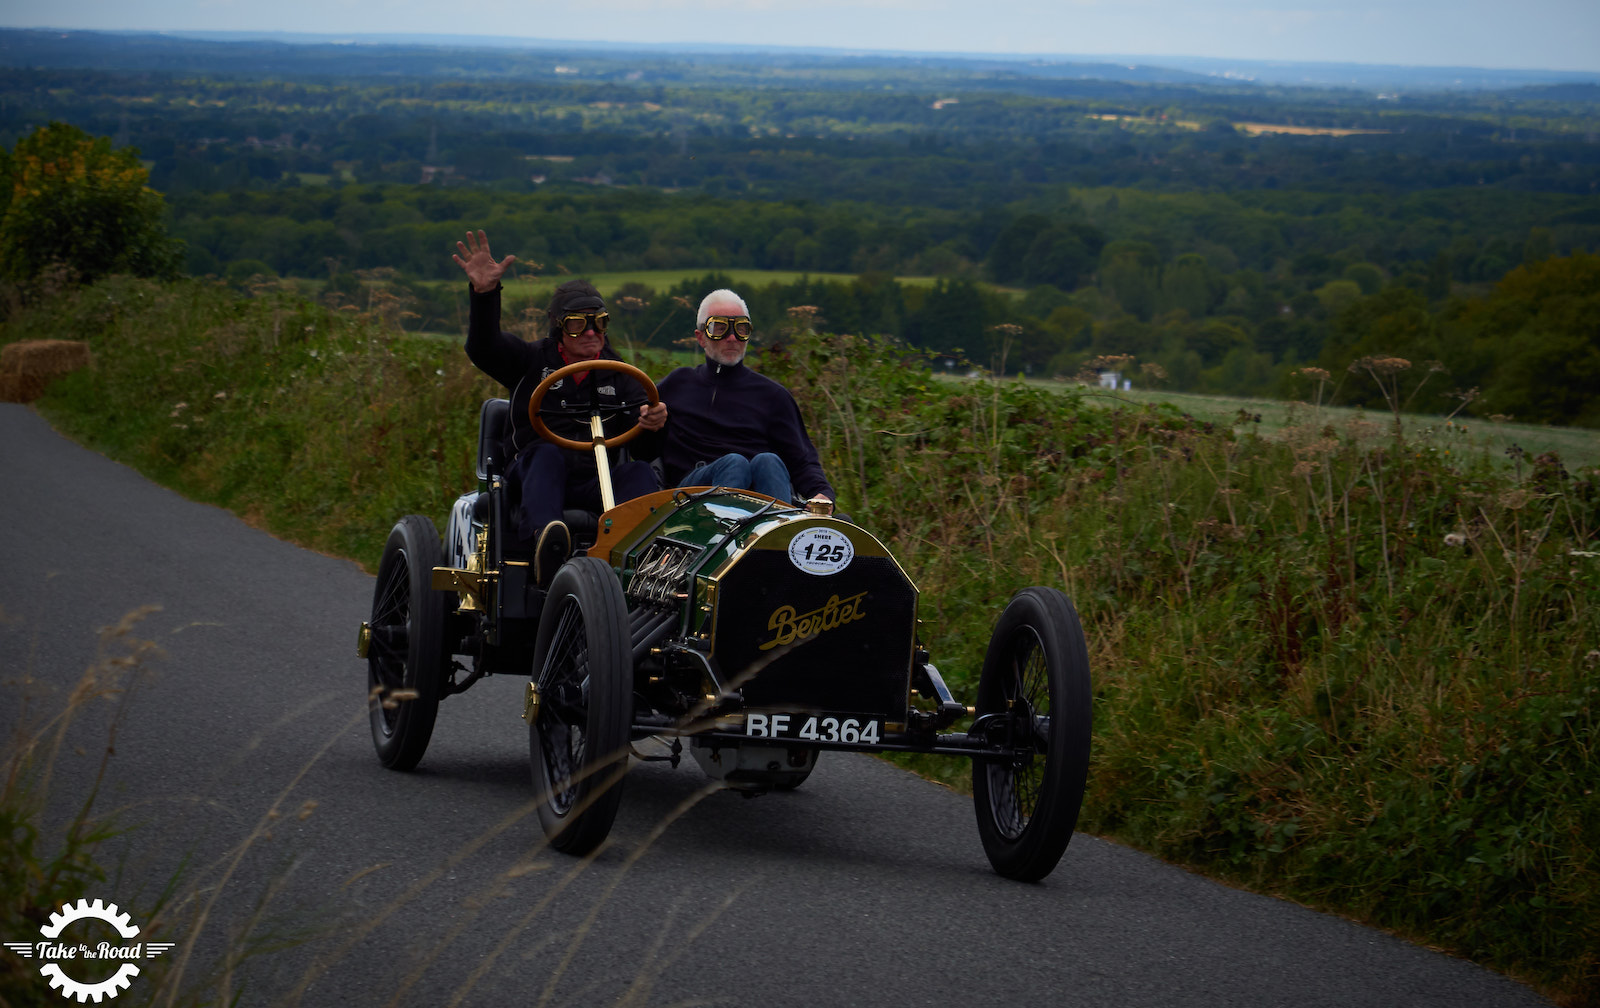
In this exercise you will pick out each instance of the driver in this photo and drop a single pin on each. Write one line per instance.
(549, 477)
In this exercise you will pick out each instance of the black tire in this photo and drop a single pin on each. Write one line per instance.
(1037, 667)
(578, 742)
(406, 654)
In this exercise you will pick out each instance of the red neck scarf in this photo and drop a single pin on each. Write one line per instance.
(578, 378)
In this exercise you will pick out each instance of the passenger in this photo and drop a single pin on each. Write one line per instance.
(730, 426)
(548, 477)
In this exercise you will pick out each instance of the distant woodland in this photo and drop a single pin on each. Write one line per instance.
(1224, 234)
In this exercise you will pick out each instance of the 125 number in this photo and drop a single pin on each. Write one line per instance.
(823, 553)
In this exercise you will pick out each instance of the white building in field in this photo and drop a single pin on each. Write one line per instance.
(1113, 380)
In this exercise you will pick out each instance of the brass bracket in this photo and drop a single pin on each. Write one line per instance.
(469, 584)
(530, 704)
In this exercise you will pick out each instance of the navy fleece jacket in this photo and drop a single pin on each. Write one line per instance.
(715, 409)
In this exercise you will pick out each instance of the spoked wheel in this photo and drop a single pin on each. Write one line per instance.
(578, 741)
(1036, 682)
(406, 653)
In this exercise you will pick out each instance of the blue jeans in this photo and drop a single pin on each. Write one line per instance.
(765, 474)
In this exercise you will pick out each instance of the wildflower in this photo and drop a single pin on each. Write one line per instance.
(1380, 365)
(1455, 539)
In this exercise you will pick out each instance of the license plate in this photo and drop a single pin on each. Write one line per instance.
(849, 729)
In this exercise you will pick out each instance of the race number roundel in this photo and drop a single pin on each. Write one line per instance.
(821, 551)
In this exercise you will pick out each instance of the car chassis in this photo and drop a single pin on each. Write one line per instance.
(757, 632)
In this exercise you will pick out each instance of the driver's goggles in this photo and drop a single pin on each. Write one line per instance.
(578, 323)
(720, 326)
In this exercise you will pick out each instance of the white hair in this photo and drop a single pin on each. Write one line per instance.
(723, 294)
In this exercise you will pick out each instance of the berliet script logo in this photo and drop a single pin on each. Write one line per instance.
(57, 951)
(834, 613)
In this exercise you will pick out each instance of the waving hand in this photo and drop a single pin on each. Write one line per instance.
(478, 263)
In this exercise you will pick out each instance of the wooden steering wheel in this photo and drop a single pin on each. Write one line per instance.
(598, 364)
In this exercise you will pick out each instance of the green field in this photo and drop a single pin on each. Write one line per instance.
(1466, 437)
(1578, 447)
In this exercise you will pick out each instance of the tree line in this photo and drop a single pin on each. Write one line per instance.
(910, 142)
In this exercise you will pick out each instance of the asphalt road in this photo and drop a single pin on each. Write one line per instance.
(868, 886)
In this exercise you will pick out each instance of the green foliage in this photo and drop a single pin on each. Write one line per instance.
(74, 202)
(1547, 312)
(1529, 348)
(1346, 666)
(36, 878)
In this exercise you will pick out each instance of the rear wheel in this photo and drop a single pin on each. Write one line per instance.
(406, 653)
(1036, 680)
(578, 741)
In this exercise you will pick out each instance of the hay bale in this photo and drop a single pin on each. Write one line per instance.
(27, 367)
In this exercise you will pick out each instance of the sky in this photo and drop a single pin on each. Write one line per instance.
(1497, 34)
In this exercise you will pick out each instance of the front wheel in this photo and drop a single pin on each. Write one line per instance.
(578, 741)
(406, 654)
(1035, 682)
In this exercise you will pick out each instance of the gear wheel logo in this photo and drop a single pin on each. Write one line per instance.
(55, 951)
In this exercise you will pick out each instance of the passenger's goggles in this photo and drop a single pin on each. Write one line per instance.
(721, 326)
(578, 323)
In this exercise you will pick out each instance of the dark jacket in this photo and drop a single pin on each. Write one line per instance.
(520, 366)
(715, 409)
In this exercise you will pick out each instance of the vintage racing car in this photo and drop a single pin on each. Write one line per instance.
(753, 633)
